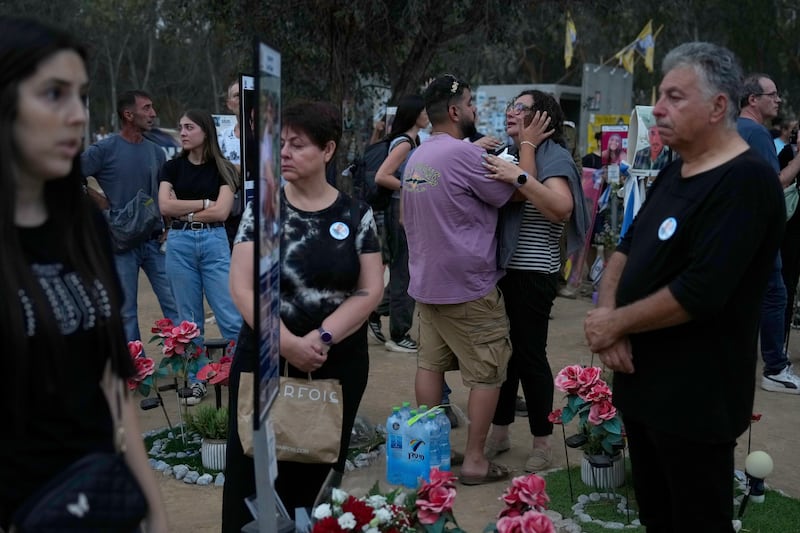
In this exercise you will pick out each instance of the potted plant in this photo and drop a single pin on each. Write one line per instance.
(599, 426)
(212, 425)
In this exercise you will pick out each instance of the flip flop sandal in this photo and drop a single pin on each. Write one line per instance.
(495, 473)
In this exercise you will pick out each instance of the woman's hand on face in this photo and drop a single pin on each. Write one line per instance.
(537, 131)
(500, 170)
(307, 353)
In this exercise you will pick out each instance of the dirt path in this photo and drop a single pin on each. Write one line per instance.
(198, 509)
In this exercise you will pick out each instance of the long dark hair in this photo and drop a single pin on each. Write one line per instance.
(211, 147)
(408, 109)
(24, 45)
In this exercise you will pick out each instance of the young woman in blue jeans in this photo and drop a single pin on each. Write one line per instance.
(196, 190)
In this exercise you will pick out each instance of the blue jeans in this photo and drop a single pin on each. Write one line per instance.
(198, 262)
(773, 308)
(147, 256)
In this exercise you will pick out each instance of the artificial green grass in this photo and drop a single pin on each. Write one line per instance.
(778, 513)
(175, 444)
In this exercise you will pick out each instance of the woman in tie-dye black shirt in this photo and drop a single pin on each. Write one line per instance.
(331, 277)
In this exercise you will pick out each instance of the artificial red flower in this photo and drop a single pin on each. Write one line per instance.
(327, 525)
(588, 378)
(555, 417)
(526, 492)
(755, 417)
(567, 379)
(362, 512)
(601, 411)
(599, 391)
(162, 326)
(215, 373)
(135, 348)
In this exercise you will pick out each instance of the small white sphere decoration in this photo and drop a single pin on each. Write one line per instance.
(758, 464)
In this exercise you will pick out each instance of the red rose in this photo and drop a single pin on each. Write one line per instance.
(528, 490)
(162, 326)
(186, 332)
(567, 379)
(555, 417)
(601, 411)
(536, 522)
(170, 347)
(440, 500)
(598, 391)
(144, 367)
(362, 512)
(327, 525)
(588, 377)
(135, 348)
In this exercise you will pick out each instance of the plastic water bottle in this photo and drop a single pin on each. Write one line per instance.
(434, 436)
(444, 439)
(416, 451)
(394, 447)
(405, 411)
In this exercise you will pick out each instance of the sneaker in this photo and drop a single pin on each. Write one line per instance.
(539, 459)
(784, 381)
(520, 407)
(406, 345)
(199, 392)
(375, 329)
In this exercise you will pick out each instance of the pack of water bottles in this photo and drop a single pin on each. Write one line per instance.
(416, 441)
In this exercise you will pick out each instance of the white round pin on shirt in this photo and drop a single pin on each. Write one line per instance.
(667, 228)
(339, 231)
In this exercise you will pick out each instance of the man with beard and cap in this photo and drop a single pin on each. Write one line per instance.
(450, 210)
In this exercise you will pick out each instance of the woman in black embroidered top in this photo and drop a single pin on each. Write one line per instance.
(197, 188)
(331, 278)
(59, 316)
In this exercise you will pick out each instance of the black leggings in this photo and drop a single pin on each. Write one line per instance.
(529, 298)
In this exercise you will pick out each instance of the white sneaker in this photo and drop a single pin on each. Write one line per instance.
(784, 381)
(404, 345)
(199, 392)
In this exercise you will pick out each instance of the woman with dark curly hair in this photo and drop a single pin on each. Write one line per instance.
(549, 181)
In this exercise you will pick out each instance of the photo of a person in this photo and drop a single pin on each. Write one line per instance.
(656, 155)
(615, 152)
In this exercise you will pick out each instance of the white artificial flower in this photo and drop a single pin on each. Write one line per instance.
(505, 156)
(376, 501)
(338, 496)
(383, 515)
(322, 511)
(347, 521)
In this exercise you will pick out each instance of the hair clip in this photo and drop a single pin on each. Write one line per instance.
(454, 87)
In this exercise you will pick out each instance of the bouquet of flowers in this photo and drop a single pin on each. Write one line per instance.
(588, 398)
(430, 511)
(179, 341)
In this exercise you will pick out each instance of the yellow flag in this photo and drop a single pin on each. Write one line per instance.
(626, 58)
(645, 45)
(569, 40)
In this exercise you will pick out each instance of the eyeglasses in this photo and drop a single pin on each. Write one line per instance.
(773, 95)
(516, 109)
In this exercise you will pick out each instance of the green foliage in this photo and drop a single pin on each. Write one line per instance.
(209, 422)
(175, 445)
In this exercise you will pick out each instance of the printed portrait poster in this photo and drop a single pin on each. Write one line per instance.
(649, 154)
(614, 145)
(247, 104)
(267, 220)
(595, 125)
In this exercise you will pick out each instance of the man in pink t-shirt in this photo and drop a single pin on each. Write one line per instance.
(450, 216)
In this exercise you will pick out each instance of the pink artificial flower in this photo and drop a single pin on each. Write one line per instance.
(215, 373)
(567, 379)
(135, 348)
(144, 367)
(170, 347)
(598, 391)
(162, 327)
(185, 332)
(436, 496)
(527, 491)
(601, 411)
(439, 500)
(555, 417)
(587, 378)
(536, 522)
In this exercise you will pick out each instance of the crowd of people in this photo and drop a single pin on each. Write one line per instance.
(475, 252)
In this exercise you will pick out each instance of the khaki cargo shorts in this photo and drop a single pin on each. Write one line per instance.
(471, 336)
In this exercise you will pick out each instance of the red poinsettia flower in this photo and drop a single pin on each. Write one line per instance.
(216, 373)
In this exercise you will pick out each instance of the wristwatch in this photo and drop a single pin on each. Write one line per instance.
(522, 179)
(325, 336)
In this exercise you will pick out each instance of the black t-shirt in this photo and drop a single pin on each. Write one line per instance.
(190, 181)
(591, 160)
(712, 239)
(61, 424)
